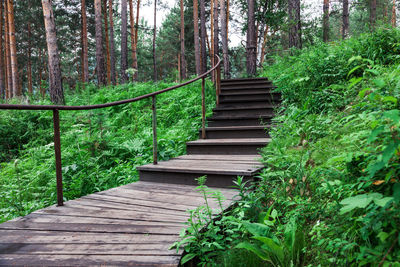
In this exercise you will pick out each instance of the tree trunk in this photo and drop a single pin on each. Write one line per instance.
(224, 37)
(212, 38)
(56, 89)
(394, 14)
(124, 41)
(107, 42)
(154, 42)
(345, 30)
(134, 51)
(112, 43)
(251, 53)
(196, 36)
(263, 45)
(216, 31)
(325, 26)
(85, 58)
(227, 18)
(372, 14)
(3, 93)
(179, 66)
(203, 54)
(29, 65)
(294, 24)
(183, 61)
(132, 30)
(9, 91)
(13, 49)
(101, 76)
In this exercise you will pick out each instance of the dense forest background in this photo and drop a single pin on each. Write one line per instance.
(122, 46)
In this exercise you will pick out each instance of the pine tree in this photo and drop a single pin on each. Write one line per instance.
(251, 47)
(112, 43)
(13, 49)
(124, 41)
(203, 33)
(196, 36)
(345, 18)
(182, 37)
(85, 58)
(101, 76)
(325, 26)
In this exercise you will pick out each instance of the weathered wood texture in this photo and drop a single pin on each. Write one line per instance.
(132, 225)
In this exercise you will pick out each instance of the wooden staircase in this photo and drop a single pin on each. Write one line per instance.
(235, 133)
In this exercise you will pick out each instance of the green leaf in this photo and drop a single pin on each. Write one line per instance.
(382, 202)
(354, 81)
(187, 258)
(350, 203)
(375, 133)
(362, 93)
(353, 70)
(255, 249)
(353, 58)
(274, 248)
(393, 114)
(396, 192)
(382, 236)
(373, 71)
(257, 229)
(390, 99)
(379, 83)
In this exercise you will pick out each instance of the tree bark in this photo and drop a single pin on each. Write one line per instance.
(196, 36)
(101, 76)
(112, 43)
(372, 14)
(134, 51)
(203, 56)
(224, 37)
(393, 20)
(216, 31)
(107, 42)
(182, 36)
(345, 29)
(212, 59)
(85, 58)
(154, 42)
(227, 18)
(13, 49)
(56, 88)
(3, 93)
(263, 45)
(325, 26)
(132, 30)
(9, 91)
(29, 65)
(251, 53)
(41, 89)
(124, 41)
(294, 24)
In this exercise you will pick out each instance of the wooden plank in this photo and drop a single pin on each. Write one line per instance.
(231, 141)
(87, 249)
(93, 227)
(232, 158)
(67, 237)
(88, 260)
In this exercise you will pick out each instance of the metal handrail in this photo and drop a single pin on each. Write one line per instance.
(56, 116)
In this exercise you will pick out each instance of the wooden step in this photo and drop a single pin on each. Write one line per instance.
(267, 86)
(245, 80)
(228, 146)
(248, 103)
(184, 170)
(235, 132)
(262, 90)
(266, 109)
(247, 97)
(253, 120)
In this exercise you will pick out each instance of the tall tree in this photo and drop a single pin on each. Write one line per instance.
(203, 36)
(13, 49)
(216, 29)
(325, 27)
(85, 58)
(134, 50)
(112, 43)
(132, 30)
(394, 14)
(154, 42)
(9, 90)
(196, 36)
(294, 24)
(224, 38)
(107, 40)
(372, 14)
(29, 65)
(251, 46)
(56, 88)
(212, 52)
(101, 76)
(124, 41)
(182, 37)
(345, 18)
(2, 83)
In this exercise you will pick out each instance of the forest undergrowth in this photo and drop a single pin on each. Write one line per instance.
(330, 192)
(100, 148)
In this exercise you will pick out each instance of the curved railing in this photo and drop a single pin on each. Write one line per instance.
(216, 71)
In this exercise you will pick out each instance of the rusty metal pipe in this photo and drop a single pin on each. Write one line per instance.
(57, 152)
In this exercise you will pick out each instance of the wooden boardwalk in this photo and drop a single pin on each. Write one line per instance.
(130, 225)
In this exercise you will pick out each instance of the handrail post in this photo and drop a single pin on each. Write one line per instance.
(57, 151)
(154, 130)
(203, 109)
